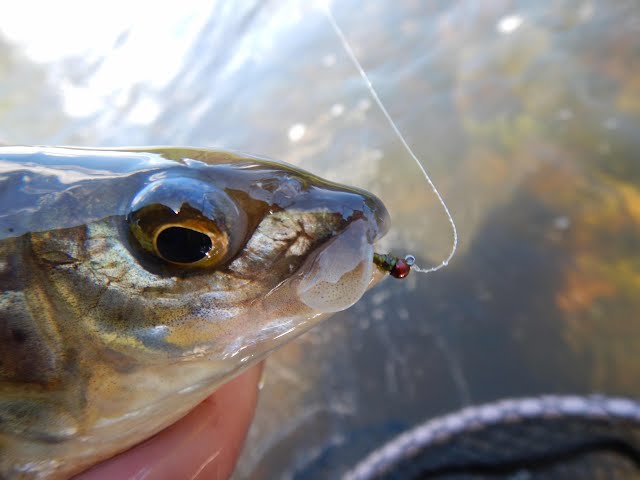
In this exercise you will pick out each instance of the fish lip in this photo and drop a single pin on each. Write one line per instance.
(377, 275)
(383, 224)
(375, 213)
(380, 222)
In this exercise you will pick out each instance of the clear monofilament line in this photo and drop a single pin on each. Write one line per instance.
(372, 91)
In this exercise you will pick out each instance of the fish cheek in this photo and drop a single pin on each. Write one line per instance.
(24, 356)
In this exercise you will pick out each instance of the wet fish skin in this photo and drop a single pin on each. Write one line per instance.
(103, 343)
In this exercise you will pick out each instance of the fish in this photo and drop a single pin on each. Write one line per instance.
(134, 282)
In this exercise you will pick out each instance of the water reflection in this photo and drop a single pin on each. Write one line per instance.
(527, 116)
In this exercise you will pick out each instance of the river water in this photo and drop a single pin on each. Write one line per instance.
(525, 113)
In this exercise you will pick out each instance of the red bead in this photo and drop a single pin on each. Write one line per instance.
(401, 269)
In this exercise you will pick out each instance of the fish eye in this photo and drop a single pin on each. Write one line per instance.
(186, 222)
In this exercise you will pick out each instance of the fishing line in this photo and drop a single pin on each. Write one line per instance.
(389, 262)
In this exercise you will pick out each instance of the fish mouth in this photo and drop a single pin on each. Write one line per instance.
(343, 269)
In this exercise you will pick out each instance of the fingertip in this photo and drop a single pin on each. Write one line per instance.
(205, 443)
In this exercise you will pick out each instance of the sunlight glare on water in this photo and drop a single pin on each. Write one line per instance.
(130, 51)
(126, 30)
(509, 24)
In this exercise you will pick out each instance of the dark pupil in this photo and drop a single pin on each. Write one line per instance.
(182, 245)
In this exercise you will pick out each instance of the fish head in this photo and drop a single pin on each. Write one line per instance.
(244, 256)
(140, 280)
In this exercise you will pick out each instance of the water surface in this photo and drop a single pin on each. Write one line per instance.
(527, 115)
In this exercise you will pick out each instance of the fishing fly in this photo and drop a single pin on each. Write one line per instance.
(396, 267)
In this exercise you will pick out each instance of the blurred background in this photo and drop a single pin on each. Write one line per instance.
(526, 114)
